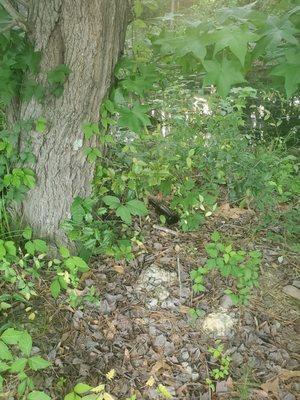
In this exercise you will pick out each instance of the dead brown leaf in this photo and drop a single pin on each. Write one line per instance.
(271, 386)
(233, 213)
(160, 364)
(119, 269)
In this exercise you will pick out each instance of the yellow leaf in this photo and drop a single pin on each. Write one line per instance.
(31, 316)
(107, 396)
(98, 389)
(111, 374)
(164, 391)
(119, 269)
(150, 382)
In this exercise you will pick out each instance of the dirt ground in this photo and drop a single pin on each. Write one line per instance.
(143, 329)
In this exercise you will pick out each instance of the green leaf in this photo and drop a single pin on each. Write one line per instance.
(64, 252)
(59, 74)
(11, 336)
(3, 367)
(22, 387)
(40, 246)
(134, 118)
(289, 70)
(36, 363)
(36, 395)
(137, 207)
(124, 213)
(29, 181)
(27, 233)
(111, 201)
(5, 353)
(82, 388)
(215, 236)
(40, 125)
(236, 38)
(18, 365)
(223, 75)
(25, 343)
(80, 263)
(72, 396)
(90, 129)
(10, 248)
(29, 246)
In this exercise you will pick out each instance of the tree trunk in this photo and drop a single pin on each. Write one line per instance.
(87, 36)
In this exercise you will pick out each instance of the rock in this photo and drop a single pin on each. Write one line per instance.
(226, 302)
(161, 293)
(219, 324)
(157, 246)
(296, 284)
(169, 348)
(221, 387)
(237, 358)
(288, 396)
(185, 356)
(292, 291)
(160, 341)
(297, 325)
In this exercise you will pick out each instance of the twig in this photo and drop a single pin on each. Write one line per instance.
(167, 230)
(179, 278)
(16, 16)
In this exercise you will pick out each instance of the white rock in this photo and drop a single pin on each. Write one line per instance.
(219, 324)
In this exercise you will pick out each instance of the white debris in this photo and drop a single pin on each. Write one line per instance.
(219, 324)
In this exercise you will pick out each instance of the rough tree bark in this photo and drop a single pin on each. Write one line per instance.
(87, 36)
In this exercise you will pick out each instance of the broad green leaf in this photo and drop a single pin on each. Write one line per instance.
(10, 248)
(82, 388)
(164, 392)
(224, 75)
(40, 125)
(40, 246)
(27, 233)
(111, 201)
(18, 365)
(90, 129)
(134, 118)
(64, 252)
(80, 263)
(290, 71)
(5, 353)
(11, 336)
(124, 213)
(36, 363)
(36, 395)
(3, 367)
(236, 38)
(25, 343)
(137, 207)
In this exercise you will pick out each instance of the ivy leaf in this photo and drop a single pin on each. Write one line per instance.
(237, 39)
(82, 388)
(124, 213)
(223, 75)
(40, 125)
(89, 129)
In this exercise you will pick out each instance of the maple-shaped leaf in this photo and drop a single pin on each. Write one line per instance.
(134, 118)
(275, 31)
(289, 70)
(223, 75)
(191, 42)
(236, 38)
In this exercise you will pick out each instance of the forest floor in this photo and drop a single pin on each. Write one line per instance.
(143, 329)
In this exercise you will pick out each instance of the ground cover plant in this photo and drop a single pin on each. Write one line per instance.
(174, 164)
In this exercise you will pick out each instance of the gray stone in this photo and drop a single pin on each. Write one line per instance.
(292, 291)
(288, 396)
(226, 302)
(157, 246)
(185, 355)
(237, 358)
(160, 341)
(296, 284)
(221, 387)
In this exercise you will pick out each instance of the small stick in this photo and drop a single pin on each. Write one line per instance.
(167, 230)
(179, 278)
